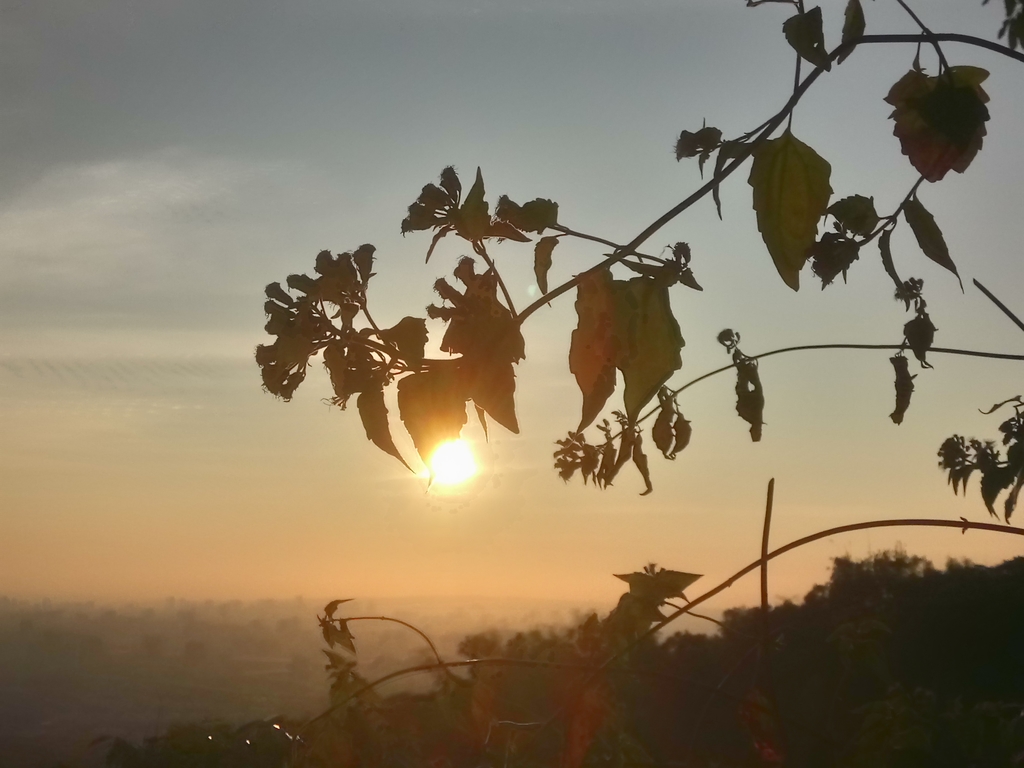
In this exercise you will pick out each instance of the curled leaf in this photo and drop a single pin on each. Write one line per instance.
(542, 261)
(408, 336)
(702, 142)
(791, 191)
(920, 335)
(940, 121)
(904, 387)
(640, 460)
(833, 255)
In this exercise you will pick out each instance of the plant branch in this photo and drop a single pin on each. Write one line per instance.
(943, 64)
(415, 629)
(749, 149)
(602, 241)
(481, 251)
(1016, 320)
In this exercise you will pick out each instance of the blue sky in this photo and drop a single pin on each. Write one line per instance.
(163, 162)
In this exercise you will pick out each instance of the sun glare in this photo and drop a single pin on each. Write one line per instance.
(452, 463)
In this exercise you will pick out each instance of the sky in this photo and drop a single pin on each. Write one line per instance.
(165, 161)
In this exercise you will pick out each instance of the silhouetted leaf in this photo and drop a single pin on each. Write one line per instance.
(283, 363)
(671, 432)
(791, 192)
(374, 414)
(749, 394)
(592, 349)
(542, 261)
(657, 584)
(432, 405)
(363, 258)
(505, 231)
(904, 387)
(853, 26)
(640, 460)
(438, 236)
(473, 220)
(920, 335)
(277, 293)
(451, 185)
(727, 151)
(649, 340)
(885, 249)
(833, 255)
(855, 214)
(408, 336)
(332, 606)
(940, 121)
(803, 32)
(702, 142)
(929, 236)
(534, 216)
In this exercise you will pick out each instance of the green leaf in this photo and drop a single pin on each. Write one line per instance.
(374, 414)
(853, 26)
(542, 261)
(856, 214)
(929, 236)
(803, 32)
(474, 221)
(791, 192)
(432, 406)
(649, 340)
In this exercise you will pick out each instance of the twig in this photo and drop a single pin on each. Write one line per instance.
(595, 239)
(943, 64)
(749, 149)
(1016, 320)
(478, 247)
(415, 629)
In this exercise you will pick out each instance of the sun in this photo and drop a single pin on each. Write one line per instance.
(452, 463)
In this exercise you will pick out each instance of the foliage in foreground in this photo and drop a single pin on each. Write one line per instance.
(891, 664)
(626, 330)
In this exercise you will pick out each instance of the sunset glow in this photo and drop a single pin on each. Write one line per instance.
(452, 463)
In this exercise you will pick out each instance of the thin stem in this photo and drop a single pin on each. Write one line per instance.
(415, 629)
(595, 239)
(1016, 320)
(894, 215)
(808, 347)
(749, 149)
(766, 530)
(478, 247)
(943, 64)
(796, 84)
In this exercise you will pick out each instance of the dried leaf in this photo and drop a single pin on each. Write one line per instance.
(940, 121)
(542, 261)
(374, 414)
(728, 151)
(791, 192)
(592, 349)
(855, 214)
(749, 396)
(640, 460)
(885, 249)
(929, 236)
(803, 32)
(904, 387)
(920, 335)
(853, 26)
(534, 216)
(702, 142)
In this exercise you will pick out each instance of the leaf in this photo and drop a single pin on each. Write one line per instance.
(432, 405)
(473, 220)
(662, 432)
(535, 216)
(904, 387)
(853, 26)
(791, 191)
(481, 414)
(408, 336)
(691, 144)
(649, 340)
(920, 335)
(592, 351)
(728, 151)
(505, 231)
(833, 255)
(491, 384)
(363, 258)
(332, 606)
(929, 236)
(451, 185)
(640, 460)
(542, 261)
(374, 414)
(683, 432)
(940, 121)
(438, 236)
(749, 396)
(885, 249)
(659, 586)
(803, 32)
(855, 214)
